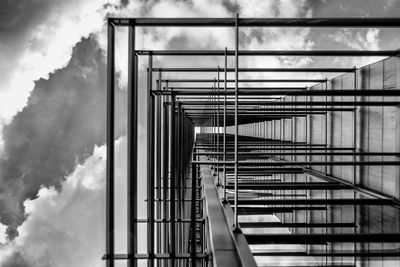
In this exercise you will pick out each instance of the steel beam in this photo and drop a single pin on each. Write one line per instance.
(315, 201)
(259, 22)
(320, 70)
(322, 238)
(132, 147)
(110, 231)
(318, 53)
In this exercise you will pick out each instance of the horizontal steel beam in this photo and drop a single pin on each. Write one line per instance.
(258, 22)
(336, 53)
(264, 92)
(279, 147)
(244, 80)
(295, 225)
(322, 238)
(207, 88)
(271, 153)
(273, 210)
(167, 221)
(358, 188)
(289, 186)
(229, 108)
(286, 163)
(243, 102)
(316, 201)
(121, 256)
(324, 253)
(255, 69)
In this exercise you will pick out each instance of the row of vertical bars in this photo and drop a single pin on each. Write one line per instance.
(166, 152)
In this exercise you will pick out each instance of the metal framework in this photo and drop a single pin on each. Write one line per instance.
(203, 190)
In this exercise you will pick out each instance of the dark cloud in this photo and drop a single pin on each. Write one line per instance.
(15, 260)
(63, 120)
(17, 17)
(230, 6)
(124, 3)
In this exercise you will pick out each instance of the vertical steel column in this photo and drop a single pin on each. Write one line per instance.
(179, 158)
(110, 146)
(172, 179)
(193, 216)
(236, 221)
(150, 164)
(214, 119)
(225, 78)
(132, 148)
(218, 182)
(356, 178)
(355, 139)
(326, 128)
(165, 175)
(158, 130)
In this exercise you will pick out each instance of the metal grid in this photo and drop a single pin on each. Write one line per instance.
(199, 190)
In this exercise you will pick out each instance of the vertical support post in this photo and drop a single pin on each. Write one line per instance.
(397, 141)
(214, 131)
(355, 139)
(110, 146)
(172, 179)
(158, 130)
(193, 216)
(159, 233)
(225, 78)
(326, 128)
(165, 176)
(218, 133)
(236, 221)
(150, 164)
(356, 169)
(132, 148)
(330, 129)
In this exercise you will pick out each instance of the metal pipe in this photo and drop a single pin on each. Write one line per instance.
(225, 83)
(327, 53)
(316, 201)
(244, 102)
(341, 70)
(321, 238)
(150, 163)
(259, 22)
(193, 215)
(218, 124)
(236, 218)
(110, 146)
(172, 179)
(243, 80)
(264, 92)
(165, 175)
(207, 88)
(159, 131)
(132, 148)
(285, 163)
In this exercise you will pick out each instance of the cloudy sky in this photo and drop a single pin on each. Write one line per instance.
(52, 103)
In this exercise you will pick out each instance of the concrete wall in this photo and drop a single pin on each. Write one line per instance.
(371, 129)
(368, 129)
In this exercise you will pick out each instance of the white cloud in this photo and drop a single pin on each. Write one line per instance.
(67, 228)
(3, 236)
(47, 48)
(364, 39)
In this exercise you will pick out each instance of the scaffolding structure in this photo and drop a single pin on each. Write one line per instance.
(259, 183)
